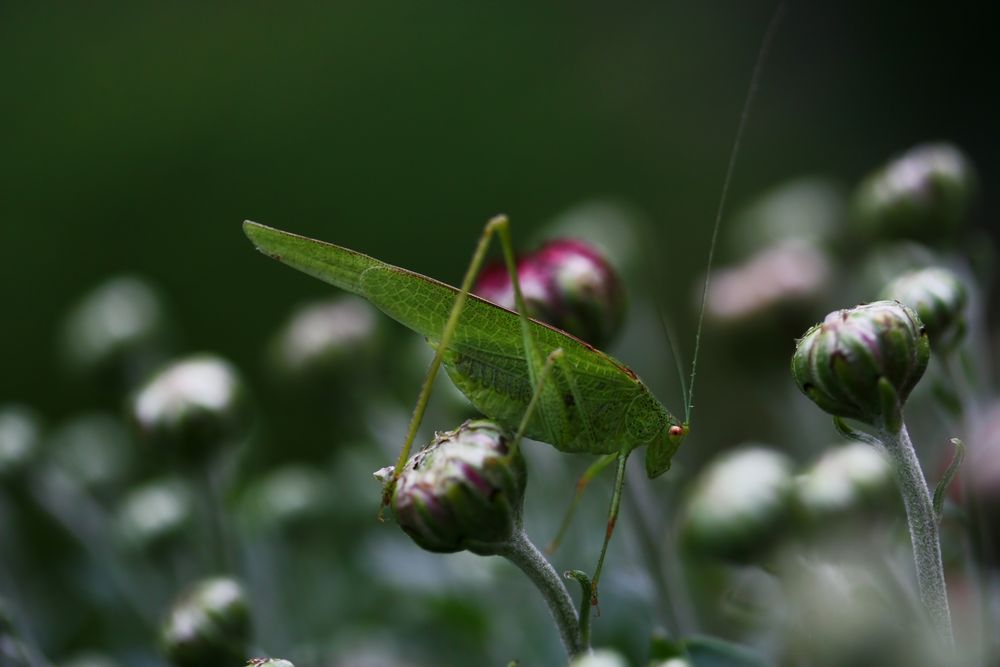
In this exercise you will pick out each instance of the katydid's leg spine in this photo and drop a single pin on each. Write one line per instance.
(592, 471)
(499, 222)
(616, 498)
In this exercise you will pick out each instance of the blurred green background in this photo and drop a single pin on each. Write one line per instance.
(137, 136)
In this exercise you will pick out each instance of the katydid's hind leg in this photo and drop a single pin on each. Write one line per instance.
(616, 498)
(588, 475)
(498, 223)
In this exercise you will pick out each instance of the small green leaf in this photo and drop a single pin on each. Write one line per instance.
(942, 486)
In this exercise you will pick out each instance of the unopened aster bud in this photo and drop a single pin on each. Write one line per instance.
(268, 662)
(600, 658)
(463, 491)
(326, 338)
(862, 363)
(846, 480)
(93, 449)
(193, 407)
(924, 194)
(155, 516)
(209, 626)
(938, 297)
(118, 331)
(565, 283)
(289, 498)
(20, 440)
(739, 505)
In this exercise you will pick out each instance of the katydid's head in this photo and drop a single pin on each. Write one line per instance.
(661, 450)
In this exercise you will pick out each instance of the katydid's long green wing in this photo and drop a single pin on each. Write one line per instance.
(486, 359)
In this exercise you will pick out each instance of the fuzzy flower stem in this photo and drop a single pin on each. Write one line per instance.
(923, 529)
(521, 552)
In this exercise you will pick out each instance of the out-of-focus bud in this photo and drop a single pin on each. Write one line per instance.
(94, 449)
(739, 505)
(268, 662)
(926, 194)
(846, 480)
(288, 498)
(862, 363)
(787, 273)
(938, 297)
(155, 516)
(20, 439)
(615, 229)
(981, 472)
(89, 660)
(193, 407)
(117, 333)
(565, 283)
(463, 491)
(325, 339)
(600, 658)
(809, 210)
(209, 626)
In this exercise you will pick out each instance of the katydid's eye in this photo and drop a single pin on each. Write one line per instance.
(675, 430)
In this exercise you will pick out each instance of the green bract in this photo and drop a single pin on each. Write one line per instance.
(862, 363)
(925, 194)
(739, 504)
(209, 626)
(939, 298)
(192, 407)
(464, 491)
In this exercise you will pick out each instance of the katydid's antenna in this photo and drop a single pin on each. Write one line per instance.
(668, 332)
(765, 47)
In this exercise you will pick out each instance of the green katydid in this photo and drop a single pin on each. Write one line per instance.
(590, 403)
(526, 375)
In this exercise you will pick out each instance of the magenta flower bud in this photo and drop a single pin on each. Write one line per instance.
(464, 491)
(565, 283)
(862, 363)
(939, 298)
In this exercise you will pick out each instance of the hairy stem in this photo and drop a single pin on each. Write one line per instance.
(526, 556)
(923, 529)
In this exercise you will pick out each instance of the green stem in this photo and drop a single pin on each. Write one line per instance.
(923, 530)
(526, 556)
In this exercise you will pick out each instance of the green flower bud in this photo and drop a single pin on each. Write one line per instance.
(93, 449)
(154, 517)
(290, 497)
(463, 491)
(20, 439)
(739, 505)
(193, 407)
(847, 479)
(117, 333)
(209, 626)
(926, 193)
(862, 363)
(938, 297)
(326, 338)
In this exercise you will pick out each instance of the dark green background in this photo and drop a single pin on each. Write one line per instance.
(136, 136)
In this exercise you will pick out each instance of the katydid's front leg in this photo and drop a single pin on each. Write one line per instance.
(616, 498)
(592, 471)
(500, 225)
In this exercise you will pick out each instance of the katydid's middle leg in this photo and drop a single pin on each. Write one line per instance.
(616, 498)
(592, 471)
